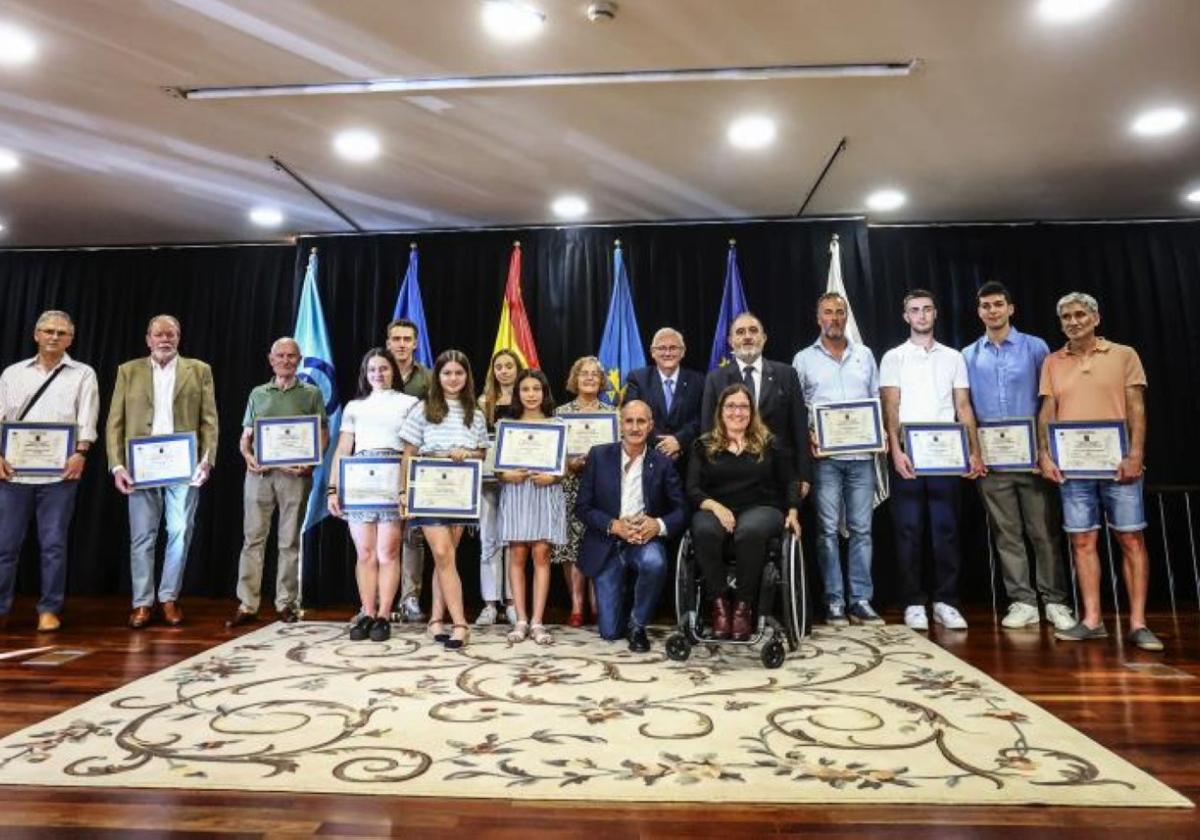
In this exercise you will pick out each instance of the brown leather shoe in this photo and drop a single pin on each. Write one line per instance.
(48, 622)
(240, 618)
(288, 615)
(172, 614)
(743, 621)
(139, 618)
(720, 618)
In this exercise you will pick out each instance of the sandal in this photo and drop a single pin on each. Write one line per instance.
(541, 635)
(440, 635)
(455, 643)
(575, 620)
(518, 633)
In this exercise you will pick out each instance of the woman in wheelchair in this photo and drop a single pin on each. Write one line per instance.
(745, 492)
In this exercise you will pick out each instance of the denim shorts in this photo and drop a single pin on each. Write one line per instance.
(1082, 499)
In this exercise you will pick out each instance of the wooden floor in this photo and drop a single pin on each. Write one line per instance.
(1149, 716)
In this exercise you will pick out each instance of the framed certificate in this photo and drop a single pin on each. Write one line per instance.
(937, 448)
(537, 447)
(586, 430)
(1008, 445)
(444, 488)
(287, 441)
(848, 428)
(1089, 449)
(489, 460)
(161, 460)
(370, 482)
(37, 448)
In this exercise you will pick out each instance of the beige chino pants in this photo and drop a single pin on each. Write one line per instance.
(261, 496)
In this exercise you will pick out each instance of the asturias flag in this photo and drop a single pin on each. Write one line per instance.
(316, 368)
(514, 332)
(733, 304)
(621, 346)
(409, 305)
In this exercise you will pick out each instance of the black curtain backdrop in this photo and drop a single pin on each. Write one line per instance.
(233, 301)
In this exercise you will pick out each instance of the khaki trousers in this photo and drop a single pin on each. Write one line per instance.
(1024, 506)
(261, 495)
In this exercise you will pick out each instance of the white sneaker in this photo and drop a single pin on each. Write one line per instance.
(916, 618)
(1021, 615)
(1060, 616)
(487, 616)
(949, 617)
(510, 613)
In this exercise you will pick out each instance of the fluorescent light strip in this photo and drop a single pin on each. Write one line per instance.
(619, 77)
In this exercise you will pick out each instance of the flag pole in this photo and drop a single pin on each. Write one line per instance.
(300, 554)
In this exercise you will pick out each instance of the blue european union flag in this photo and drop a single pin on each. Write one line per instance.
(733, 304)
(409, 305)
(316, 368)
(621, 346)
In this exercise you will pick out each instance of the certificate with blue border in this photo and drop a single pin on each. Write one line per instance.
(370, 482)
(1088, 448)
(444, 488)
(1009, 444)
(287, 441)
(937, 448)
(161, 460)
(588, 429)
(534, 446)
(33, 448)
(851, 427)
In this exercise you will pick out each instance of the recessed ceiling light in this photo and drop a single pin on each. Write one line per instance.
(357, 145)
(266, 216)
(2, 228)
(1069, 11)
(884, 200)
(1193, 197)
(569, 207)
(16, 45)
(8, 161)
(1158, 122)
(752, 132)
(509, 20)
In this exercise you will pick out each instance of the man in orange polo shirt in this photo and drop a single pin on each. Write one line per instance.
(1092, 379)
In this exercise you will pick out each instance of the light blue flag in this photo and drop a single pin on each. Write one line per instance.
(733, 304)
(621, 346)
(316, 368)
(409, 305)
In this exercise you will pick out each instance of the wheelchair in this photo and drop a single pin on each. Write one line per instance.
(782, 611)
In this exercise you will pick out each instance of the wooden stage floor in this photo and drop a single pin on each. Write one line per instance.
(1149, 715)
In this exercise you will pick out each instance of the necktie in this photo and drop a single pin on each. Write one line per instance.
(668, 393)
(748, 378)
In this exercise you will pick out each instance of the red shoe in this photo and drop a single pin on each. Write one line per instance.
(720, 618)
(743, 621)
(576, 620)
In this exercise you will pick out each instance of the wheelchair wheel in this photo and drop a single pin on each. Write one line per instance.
(678, 647)
(773, 653)
(795, 592)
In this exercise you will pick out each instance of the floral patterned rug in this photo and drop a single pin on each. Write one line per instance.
(860, 715)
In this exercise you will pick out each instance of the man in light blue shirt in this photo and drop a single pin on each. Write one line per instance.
(834, 369)
(1004, 366)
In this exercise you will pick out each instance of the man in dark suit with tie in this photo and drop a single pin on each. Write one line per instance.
(630, 501)
(672, 393)
(776, 391)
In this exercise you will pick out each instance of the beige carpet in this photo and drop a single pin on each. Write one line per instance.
(855, 716)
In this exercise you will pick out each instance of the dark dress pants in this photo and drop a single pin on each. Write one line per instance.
(755, 528)
(912, 500)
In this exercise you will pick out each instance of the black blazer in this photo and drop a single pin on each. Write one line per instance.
(683, 420)
(780, 405)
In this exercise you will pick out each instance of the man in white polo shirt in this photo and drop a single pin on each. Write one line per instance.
(923, 381)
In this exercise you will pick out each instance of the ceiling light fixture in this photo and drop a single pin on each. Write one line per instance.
(266, 216)
(356, 145)
(569, 207)
(1158, 122)
(885, 200)
(9, 161)
(509, 20)
(1193, 197)
(1069, 11)
(16, 45)
(755, 132)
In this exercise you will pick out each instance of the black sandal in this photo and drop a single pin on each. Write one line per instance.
(457, 644)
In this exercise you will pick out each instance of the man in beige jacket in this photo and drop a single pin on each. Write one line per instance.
(160, 395)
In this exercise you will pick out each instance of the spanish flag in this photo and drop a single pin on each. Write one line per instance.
(514, 332)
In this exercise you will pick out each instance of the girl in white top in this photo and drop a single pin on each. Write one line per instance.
(371, 426)
(446, 424)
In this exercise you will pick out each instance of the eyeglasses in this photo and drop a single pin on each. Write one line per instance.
(590, 374)
(45, 331)
(666, 348)
(739, 407)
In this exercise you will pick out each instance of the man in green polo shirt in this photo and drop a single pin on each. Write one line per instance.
(268, 488)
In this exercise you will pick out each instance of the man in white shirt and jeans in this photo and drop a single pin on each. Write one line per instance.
(923, 381)
(49, 388)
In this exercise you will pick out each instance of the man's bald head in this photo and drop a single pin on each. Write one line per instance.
(637, 421)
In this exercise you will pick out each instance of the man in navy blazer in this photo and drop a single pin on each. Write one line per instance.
(630, 500)
(673, 394)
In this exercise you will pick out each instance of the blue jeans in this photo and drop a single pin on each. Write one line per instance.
(851, 483)
(146, 508)
(54, 504)
(1082, 499)
(649, 563)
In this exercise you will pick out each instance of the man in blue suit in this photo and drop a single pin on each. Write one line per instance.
(673, 394)
(630, 500)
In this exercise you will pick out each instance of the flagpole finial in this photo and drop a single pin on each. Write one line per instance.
(516, 243)
(313, 251)
(617, 243)
(412, 246)
(732, 242)
(835, 237)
